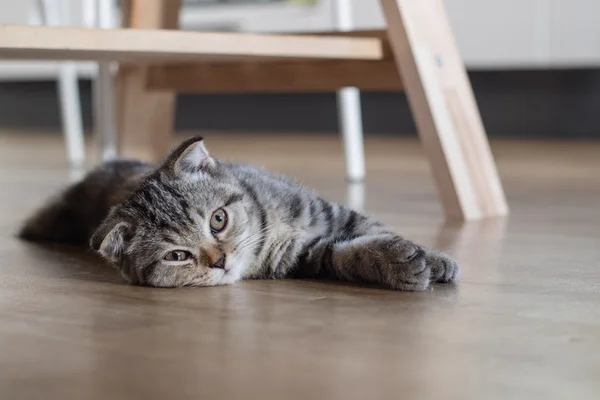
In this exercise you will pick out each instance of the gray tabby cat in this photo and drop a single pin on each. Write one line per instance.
(197, 221)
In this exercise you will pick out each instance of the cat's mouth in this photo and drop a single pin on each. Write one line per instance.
(220, 262)
(233, 268)
(228, 267)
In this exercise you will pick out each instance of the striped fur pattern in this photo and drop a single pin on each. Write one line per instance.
(157, 226)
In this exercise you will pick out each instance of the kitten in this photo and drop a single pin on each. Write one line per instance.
(197, 221)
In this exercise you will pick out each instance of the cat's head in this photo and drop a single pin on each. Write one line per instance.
(184, 225)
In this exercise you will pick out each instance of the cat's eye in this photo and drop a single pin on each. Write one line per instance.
(178, 255)
(218, 221)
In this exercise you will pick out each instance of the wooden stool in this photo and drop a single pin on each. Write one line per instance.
(416, 53)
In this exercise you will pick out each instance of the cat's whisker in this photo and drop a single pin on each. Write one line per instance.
(260, 231)
(266, 228)
(248, 244)
(257, 236)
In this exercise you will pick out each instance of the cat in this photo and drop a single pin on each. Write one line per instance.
(196, 221)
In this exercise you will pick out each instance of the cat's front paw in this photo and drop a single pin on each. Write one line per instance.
(443, 268)
(406, 264)
(413, 268)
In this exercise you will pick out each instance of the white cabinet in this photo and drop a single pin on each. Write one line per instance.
(527, 33)
(491, 34)
(498, 34)
(574, 32)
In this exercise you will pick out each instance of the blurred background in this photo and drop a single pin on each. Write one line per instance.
(534, 66)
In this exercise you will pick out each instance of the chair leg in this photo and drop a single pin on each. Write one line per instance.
(444, 108)
(350, 120)
(104, 112)
(104, 93)
(145, 119)
(54, 13)
(71, 113)
(349, 107)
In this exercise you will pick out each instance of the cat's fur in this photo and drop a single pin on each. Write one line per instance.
(134, 215)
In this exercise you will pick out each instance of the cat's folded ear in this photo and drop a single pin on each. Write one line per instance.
(110, 240)
(190, 158)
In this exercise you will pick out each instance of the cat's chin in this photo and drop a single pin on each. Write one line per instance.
(229, 278)
(231, 274)
(234, 268)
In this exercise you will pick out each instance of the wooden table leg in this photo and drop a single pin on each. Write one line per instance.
(145, 119)
(444, 109)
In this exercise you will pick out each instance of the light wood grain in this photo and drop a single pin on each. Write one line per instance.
(444, 108)
(143, 45)
(145, 120)
(523, 322)
(380, 34)
(281, 76)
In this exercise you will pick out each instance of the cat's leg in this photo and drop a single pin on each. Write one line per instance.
(382, 258)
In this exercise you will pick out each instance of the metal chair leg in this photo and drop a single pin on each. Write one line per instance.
(349, 107)
(104, 93)
(54, 13)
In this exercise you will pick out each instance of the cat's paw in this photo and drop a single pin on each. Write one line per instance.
(407, 268)
(443, 268)
(413, 268)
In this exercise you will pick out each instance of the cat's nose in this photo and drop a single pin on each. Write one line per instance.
(220, 263)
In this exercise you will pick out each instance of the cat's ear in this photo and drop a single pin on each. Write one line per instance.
(191, 157)
(110, 240)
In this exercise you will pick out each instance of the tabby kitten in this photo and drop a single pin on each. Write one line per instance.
(197, 221)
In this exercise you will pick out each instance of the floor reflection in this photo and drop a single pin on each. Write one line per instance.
(355, 196)
(476, 245)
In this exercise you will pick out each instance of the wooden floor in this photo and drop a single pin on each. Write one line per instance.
(522, 323)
